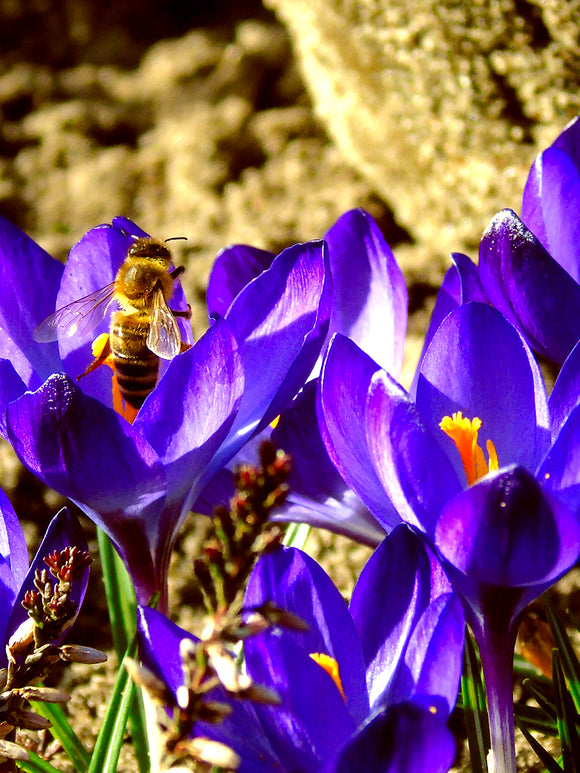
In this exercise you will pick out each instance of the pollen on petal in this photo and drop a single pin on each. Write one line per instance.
(331, 667)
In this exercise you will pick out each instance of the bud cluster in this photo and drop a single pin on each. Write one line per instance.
(241, 533)
(33, 649)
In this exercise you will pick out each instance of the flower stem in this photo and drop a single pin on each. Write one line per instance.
(496, 648)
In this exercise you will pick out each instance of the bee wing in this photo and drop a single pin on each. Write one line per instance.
(163, 338)
(78, 317)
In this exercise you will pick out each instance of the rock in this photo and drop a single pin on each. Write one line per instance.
(441, 105)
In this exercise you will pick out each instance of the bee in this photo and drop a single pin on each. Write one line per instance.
(142, 331)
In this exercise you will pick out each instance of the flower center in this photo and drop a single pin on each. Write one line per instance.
(464, 434)
(331, 667)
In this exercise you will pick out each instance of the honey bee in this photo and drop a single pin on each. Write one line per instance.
(141, 332)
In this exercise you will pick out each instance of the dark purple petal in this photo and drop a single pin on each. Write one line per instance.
(506, 533)
(414, 471)
(434, 656)
(63, 531)
(565, 395)
(461, 284)
(403, 739)
(551, 197)
(30, 280)
(234, 268)
(478, 364)
(12, 543)
(530, 287)
(88, 453)
(312, 720)
(560, 470)
(318, 495)
(188, 415)
(344, 383)
(159, 640)
(392, 592)
(370, 295)
(280, 321)
(11, 387)
(294, 581)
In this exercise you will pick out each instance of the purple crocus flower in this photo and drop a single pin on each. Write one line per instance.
(138, 481)
(530, 268)
(369, 306)
(514, 530)
(394, 657)
(17, 577)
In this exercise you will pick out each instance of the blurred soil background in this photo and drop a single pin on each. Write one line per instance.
(225, 123)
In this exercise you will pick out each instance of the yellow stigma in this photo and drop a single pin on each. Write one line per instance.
(464, 433)
(331, 667)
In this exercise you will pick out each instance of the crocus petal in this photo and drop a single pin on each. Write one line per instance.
(392, 592)
(191, 410)
(280, 321)
(312, 719)
(506, 533)
(63, 531)
(159, 641)
(565, 395)
(57, 430)
(560, 470)
(11, 387)
(478, 363)
(12, 543)
(344, 383)
(295, 582)
(530, 287)
(30, 281)
(551, 196)
(415, 473)
(403, 739)
(461, 284)
(370, 295)
(234, 268)
(318, 494)
(434, 656)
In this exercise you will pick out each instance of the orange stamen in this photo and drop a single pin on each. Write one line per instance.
(464, 432)
(331, 667)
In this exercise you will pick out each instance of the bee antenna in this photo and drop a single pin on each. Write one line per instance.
(175, 238)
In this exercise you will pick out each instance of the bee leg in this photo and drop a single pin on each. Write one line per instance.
(177, 272)
(101, 351)
(184, 314)
(184, 347)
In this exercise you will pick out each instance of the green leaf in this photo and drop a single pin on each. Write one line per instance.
(568, 657)
(63, 732)
(110, 739)
(119, 593)
(36, 765)
(544, 756)
(121, 603)
(475, 708)
(534, 718)
(567, 718)
(544, 698)
(296, 535)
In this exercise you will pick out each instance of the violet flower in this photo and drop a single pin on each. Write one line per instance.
(369, 306)
(17, 577)
(530, 268)
(138, 481)
(356, 686)
(515, 530)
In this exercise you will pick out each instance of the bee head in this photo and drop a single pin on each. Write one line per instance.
(147, 247)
